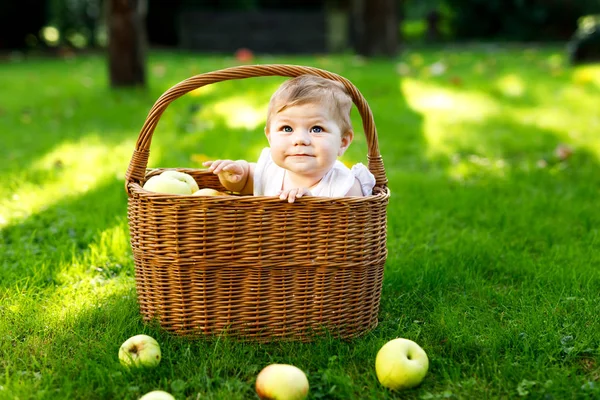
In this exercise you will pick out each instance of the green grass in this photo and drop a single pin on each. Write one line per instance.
(493, 263)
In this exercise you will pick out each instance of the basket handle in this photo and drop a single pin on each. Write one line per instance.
(139, 161)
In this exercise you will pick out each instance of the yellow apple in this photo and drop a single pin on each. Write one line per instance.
(208, 192)
(401, 364)
(172, 182)
(281, 382)
(157, 395)
(139, 351)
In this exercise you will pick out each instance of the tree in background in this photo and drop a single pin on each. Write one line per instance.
(127, 42)
(375, 27)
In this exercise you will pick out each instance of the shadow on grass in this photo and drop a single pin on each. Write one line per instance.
(36, 249)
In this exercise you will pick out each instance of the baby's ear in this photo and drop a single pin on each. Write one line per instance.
(267, 134)
(347, 138)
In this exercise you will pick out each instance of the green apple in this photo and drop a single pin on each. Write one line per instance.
(157, 395)
(281, 382)
(401, 364)
(140, 351)
(172, 182)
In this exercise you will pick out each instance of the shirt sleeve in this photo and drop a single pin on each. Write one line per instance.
(365, 177)
(339, 181)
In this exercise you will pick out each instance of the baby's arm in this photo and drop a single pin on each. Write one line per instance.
(237, 176)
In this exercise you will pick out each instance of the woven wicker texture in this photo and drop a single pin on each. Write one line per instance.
(255, 267)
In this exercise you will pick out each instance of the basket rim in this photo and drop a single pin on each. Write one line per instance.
(139, 160)
(383, 193)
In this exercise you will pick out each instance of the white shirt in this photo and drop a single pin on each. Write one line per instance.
(268, 178)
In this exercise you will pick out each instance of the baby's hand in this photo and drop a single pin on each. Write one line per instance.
(229, 170)
(292, 194)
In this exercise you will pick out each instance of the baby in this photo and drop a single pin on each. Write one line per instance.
(308, 127)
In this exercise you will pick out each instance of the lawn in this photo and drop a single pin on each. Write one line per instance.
(492, 155)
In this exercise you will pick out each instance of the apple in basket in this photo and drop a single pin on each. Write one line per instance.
(208, 192)
(281, 382)
(140, 351)
(172, 182)
(157, 395)
(401, 364)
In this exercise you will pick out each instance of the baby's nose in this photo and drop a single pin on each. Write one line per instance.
(301, 138)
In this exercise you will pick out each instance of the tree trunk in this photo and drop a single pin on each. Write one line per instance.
(375, 27)
(126, 42)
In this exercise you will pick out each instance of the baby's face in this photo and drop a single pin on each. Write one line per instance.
(306, 140)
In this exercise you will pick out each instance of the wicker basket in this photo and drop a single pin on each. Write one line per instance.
(255, 267)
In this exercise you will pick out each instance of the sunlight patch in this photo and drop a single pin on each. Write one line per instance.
(90, 278)
(236, 112)
(113, 244)
(589, 74)
(577, 130)
(202, 91)
(86, 157)
(70, 169)
(444, 108)
(553, 118)
(474, 167)
(446, 112)
(431, 100)
(68, 303)
(511, 85)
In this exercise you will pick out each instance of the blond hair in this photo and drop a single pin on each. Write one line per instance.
(312, 89)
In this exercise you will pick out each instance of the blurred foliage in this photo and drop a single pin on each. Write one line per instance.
(251, 5)
(80, 22)
(423, 16)
(525, 20)
(519, 20)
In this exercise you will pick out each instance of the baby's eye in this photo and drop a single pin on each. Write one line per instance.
(316, 129)
(287, 129)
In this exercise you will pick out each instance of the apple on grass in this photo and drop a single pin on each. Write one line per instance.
(281, 382)
(172, 182)
(139, 351)
(157, 395)
(401, 364)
